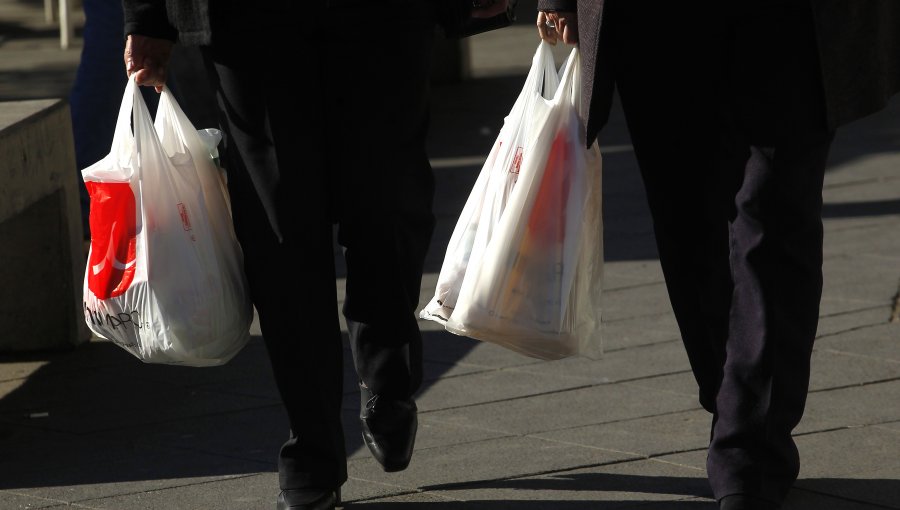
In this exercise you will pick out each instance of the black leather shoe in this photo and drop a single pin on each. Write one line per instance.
(308, 500)
(388, 428)
(745, 502)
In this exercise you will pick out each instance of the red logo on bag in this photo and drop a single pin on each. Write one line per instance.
(113, 221)
(517, 161)
(185, 220)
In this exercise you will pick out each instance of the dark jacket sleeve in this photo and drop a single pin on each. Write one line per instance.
(452, 15)
(148, 18)
(558, 5)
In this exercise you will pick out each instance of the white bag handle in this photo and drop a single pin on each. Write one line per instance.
(126, 142)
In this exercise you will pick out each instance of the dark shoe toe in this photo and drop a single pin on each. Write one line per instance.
(308, 500)
(746, 502)
(389, 429)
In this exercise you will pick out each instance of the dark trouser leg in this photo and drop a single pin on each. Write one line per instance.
(745, 296)
(277, 176)
(781, 143)
(777, 261)
(666, 93)
(386, 187)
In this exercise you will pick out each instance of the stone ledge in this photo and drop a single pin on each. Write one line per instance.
(41, 260)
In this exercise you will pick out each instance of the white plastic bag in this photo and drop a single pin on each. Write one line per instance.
(164, 278)
(491, 191)
(523, 266)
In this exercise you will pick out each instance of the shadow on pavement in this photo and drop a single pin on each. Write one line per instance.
(97, 415)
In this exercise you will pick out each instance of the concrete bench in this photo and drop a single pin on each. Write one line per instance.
(41, 257)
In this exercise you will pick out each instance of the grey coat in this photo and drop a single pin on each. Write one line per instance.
(859, 49)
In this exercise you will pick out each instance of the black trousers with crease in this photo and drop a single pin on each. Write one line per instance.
(729, 131)
(343, 145)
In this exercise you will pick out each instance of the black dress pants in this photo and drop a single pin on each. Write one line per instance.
(342, 144)
(728, 126)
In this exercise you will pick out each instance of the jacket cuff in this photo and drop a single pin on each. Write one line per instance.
(148, 18)
(558, 5)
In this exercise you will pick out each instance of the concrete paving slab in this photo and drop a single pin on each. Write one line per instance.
(832, 369)
(626, 484)
(81, 481)
(561, 410)
(442, 346)
(83, 402)
(895, 425)
(692, 459)
(14, 371)
(622, 274)
(492, 386)
(881, 342)
(432, 434)
(682, 383)
(868, 277)
(620, 365)
(812, 490)
(841, 323)
(644, 437)
(252, 435)
(624, 334)
(10, 500)
(249, 492)
(630, 302)
(871, 404)
(494, 459)
(410, 501)
(802, 499)
(868, 472)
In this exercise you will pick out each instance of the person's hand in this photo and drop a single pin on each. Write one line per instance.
(148, 59)
(489, 8)
(555, 25)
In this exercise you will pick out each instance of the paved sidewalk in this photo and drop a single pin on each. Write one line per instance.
(96, 429)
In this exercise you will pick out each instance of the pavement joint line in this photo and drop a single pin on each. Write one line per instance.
(171, 420)
(40, 498)
(660, 459)
(506, 435)
(622, 420)
(842, 498)
(857, 355)
(633, 317)
(882, 426)
(477, 483)
(634, 286)
(210, 453)
(856, 385)
(851, 312)
(640, 346)
(510, 399)
(853, 329)
(871, 225)
(857, 182)
(554, 392)
(895, 313)
(879, 425)
(168, 488)
(405, 492)
(588, 446)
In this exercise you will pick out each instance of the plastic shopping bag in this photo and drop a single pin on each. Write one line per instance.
(492, 189)
(164, 278)
(524, 263)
